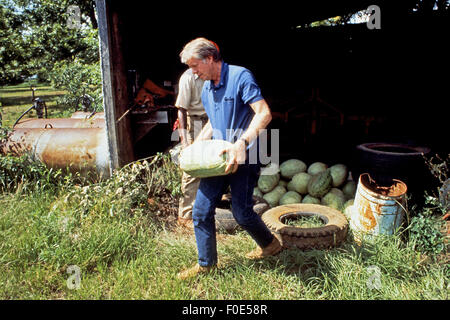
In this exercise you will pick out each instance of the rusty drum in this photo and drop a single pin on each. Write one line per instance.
(62, 123)
(377, 209)
(87, 115)
(79, 149)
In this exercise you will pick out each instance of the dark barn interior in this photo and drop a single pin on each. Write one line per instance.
(329, 88)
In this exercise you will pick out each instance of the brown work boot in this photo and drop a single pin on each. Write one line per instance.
(187, 223)
(194, 271)
(272, 249)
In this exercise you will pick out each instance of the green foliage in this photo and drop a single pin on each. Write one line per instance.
(313, 221)
(439, 167)
(4, 133)
(158, 173)
(129, 189)
(425, 228)
(78, 79)
(27, 174)
(34, 36)
(13, 52)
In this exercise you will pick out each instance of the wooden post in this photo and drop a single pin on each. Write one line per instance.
(115, 96)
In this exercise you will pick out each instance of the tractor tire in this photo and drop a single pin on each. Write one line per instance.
(332, 234)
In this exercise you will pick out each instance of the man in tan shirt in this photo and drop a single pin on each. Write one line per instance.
(192, 118)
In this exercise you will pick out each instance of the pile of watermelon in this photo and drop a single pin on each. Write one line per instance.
(295, 182)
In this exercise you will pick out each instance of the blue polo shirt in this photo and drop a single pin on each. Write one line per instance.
(227, 105)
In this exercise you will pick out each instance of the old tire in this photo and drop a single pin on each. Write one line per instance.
(332, 234)
(225, 221)
(224, 216)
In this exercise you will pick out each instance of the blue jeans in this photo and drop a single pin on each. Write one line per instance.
(209, 194)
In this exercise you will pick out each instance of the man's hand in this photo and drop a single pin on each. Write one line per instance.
(235, 156)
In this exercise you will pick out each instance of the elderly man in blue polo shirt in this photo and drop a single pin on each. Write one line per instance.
(237, 112)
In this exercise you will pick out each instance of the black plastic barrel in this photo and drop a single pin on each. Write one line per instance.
(387, 161)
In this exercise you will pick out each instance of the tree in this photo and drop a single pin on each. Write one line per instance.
(38, 37)
(35, 36)
(51, 40)
(13, 55)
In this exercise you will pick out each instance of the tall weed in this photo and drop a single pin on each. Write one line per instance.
(27, 174)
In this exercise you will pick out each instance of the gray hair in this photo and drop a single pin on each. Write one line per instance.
(200, 48)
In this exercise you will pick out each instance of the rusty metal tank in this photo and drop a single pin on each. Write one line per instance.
(377, 209)
(88, 115)
(79, 149)
(61, 123)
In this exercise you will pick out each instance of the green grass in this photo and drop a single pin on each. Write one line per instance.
(136, 254)
(313, 221)
(127, 247)
(17, 99)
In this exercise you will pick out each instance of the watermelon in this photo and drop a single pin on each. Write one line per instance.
(317, 167)
(290, 167)
(339, 173)
(310, 199)
(290, 197)
(201, 159)
(267, 183)
(320, 184)
(349, 189)
(299, 183)
(257, 192)
(338, 192)
(332, 200)
(283, 183)
(274, 196)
